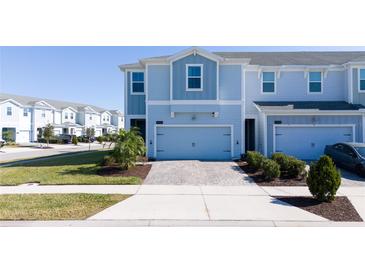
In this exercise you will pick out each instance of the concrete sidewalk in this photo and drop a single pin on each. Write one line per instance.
(165, 205)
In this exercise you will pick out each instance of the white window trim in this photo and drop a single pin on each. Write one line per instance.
(262, 83)
(187, 77)
(358, 80)
(66, 115)
(131, 82)
(309, 81)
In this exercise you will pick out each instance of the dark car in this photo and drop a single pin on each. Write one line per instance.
(65, 138)
(349, 156)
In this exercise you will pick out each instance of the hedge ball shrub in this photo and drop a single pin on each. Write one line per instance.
(295, 167)
(271, 169)
(254, 159)
(324, 179)
(282, 160)
(74, 140)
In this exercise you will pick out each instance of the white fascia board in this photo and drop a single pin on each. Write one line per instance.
(126, 67)
(195, 50)
(44, 102)
(11, 101)
(314, 112)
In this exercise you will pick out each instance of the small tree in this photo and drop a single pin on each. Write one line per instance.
(7, 136)
(324, 179)
(74, 140)
(90, 133)
(113, 138)
(128, 147)
(48, 133)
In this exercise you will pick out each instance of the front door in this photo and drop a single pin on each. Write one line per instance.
(249, 135)
(141, 125)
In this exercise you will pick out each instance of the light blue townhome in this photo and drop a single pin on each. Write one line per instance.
(215, 106)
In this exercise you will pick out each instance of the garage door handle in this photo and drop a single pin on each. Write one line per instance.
(227, 134)
(226, 151)
(159, 134)
(347, 134)
(278, 134)
(160, 150)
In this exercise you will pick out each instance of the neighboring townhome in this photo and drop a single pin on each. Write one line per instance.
(25, 117)
(216, 106)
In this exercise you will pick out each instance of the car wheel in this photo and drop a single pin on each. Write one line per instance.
(360, 170)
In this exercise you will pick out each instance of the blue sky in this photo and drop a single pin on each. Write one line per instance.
(87, 74)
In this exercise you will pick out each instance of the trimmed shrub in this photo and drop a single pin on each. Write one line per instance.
(282, 160)
(254, 159)
(271, 169)
(99, 139)
(296, 168)
(324, 179)
(290, 166)
(74, 140)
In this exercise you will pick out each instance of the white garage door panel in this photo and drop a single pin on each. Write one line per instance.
(23, 136)
(308, 143)
(201, 143)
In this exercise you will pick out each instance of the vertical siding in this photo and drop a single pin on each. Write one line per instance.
(159, 82)
(293, 86)
(230, 82)
(136, 103)
(209, 79)
(358, 98)
(229, 115)
(319, 120)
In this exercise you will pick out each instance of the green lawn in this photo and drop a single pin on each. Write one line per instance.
(79, 169)
(55, 206)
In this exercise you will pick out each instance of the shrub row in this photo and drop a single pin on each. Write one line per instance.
(270, 168)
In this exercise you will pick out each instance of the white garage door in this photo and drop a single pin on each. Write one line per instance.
(23, 136)
(186, 142)
(308, 142)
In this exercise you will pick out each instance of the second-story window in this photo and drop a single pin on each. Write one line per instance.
(268, 82)
(194, 77)
(66, 115)
(315, 82)
(107, 118)
(362, 80)
(9, 111)
(71, 115)
(25, 112)
(90, 117)
(43, 113)
(137, 83)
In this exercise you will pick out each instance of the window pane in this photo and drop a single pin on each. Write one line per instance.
(138, 76)
(194, 83)
(194, 71)
(268, 87)
(315, 76)
(315, 87)
(138, 87)
(362, 85)
(268, 76)
(362, 74)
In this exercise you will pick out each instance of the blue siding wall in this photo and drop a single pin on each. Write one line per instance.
(229, 115)
(209, 79)
(230, 82)
(319, 119)
(136, 104)
(159, 82)
(293, 86)
(358, 98)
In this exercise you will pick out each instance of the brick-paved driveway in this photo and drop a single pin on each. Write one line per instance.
(196, 173)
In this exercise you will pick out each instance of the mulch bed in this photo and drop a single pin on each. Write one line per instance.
(259, 179)
(140, 171)
(340, 210)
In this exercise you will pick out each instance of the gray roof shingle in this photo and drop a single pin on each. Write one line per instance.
(28, 101)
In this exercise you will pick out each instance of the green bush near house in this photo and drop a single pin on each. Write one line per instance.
(74, 140)
(271, 169)
(254, 159)
(289, 166)
(324, 179)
